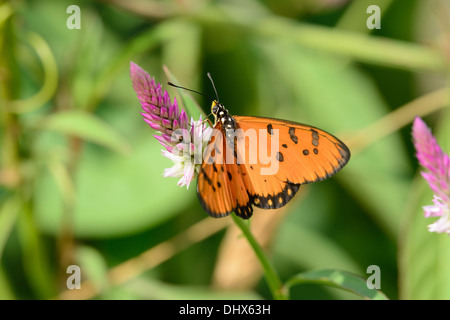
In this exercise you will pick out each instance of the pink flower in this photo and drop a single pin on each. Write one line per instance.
(183, 140)
(437, 174)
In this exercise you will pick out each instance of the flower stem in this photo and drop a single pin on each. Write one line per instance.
(273, 281)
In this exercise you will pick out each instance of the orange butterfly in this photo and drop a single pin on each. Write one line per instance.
(300, 154)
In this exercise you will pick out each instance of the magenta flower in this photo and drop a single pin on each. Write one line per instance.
(183, 140)
(437, 174)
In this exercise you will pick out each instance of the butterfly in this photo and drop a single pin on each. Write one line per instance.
(232, 177)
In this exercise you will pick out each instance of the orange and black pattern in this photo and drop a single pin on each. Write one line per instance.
(305, 154)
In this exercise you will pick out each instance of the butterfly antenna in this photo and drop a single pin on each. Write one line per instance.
(214, 87)
(180, 87)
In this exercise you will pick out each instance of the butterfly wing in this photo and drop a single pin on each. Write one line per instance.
(222, 186)
(293, 154)
(296, 154)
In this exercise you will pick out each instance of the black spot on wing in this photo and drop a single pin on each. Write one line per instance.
(244, 212)
(280, 157)
(344, 152)
(315, 138)
(275, 201)
(292, 135)
(207, 178)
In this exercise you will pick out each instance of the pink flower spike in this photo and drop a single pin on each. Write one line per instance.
(437, 210)
(166, 123)
(147, 116)
(150, 108)
(177, 133)
(162, 141)
(153, 125)
(437, 174)
(428, 151)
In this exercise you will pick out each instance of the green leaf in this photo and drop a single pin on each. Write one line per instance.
(338, 279)
(85, 126)
(115, 195)
(424, 257)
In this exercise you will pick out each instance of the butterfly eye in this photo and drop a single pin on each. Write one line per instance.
(215, 108)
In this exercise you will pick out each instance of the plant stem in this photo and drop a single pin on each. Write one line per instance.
(354, 45)
(272, 278)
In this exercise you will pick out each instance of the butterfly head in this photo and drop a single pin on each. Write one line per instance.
(221, 115)
(218, 110)
(215, 107)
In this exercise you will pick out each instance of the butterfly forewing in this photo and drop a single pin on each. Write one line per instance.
(222, 186)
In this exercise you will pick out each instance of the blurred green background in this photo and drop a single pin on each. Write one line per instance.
(81, 174)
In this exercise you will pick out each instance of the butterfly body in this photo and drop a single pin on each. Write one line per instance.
(227, 122)
(254, 161)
